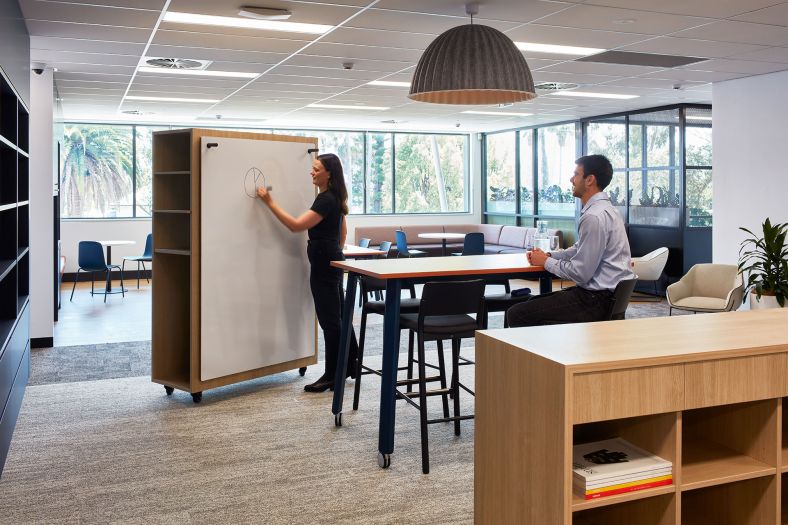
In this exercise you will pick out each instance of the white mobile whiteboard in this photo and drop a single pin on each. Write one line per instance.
(256, 306)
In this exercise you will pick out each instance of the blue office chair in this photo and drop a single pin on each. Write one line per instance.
(91, 260)
(473, 244)
(364, 242)
(402, 247)
(147, 256)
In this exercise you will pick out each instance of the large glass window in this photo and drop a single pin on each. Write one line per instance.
(107, 170)
(430, 173)
(97, 171)
(556, 166)
(380, 174)
(698, 154)
(609, 138)
(501, 159)
(527, 172)
(654, 176)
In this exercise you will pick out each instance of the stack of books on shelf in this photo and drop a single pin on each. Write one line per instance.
(615, 466)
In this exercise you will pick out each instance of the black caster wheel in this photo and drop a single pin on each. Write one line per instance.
(302, 371)
(384, 460)
(338, 420)
(169, 390)
(197, 397)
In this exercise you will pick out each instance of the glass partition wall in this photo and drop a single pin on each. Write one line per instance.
(662, 177)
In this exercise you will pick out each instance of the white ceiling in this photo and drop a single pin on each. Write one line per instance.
(96, 46)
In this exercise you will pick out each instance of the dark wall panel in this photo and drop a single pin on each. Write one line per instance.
(15, 46)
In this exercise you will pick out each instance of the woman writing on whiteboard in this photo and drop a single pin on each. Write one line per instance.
(327, 228)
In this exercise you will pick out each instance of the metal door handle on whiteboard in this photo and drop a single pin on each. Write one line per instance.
(212, 145)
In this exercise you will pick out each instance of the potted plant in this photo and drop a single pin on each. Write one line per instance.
(765, 262)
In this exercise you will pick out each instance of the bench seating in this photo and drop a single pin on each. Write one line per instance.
(497, 238)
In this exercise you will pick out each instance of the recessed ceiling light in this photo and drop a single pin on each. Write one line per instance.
(228, 21)
(624, 21)
(389, 83)
(689, 117)
(498, 113)
(556, 49)
(264, 13)
(174, 99)
(197, 72)
(342, 106)
(589, 94)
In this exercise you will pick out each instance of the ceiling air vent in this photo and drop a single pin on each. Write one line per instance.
(177, 63)
(555, 86)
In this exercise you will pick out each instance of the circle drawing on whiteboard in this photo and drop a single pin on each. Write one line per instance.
(254, 179)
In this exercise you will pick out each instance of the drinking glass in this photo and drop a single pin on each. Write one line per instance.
(554, 243)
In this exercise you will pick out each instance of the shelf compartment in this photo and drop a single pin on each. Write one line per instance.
(750, 502)
(172, 192)
(23, 177)
(784, 451)
(172, 232)
(172, 252)
(7, 175)
(8, 234)
(729, 443)
(8, 111)
(579, 504)
(8, 306)
(171, 307)
(23, 128)
(23, 223)
(172, 151)
(23, 283)
(657, 510)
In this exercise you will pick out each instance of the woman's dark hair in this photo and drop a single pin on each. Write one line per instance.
(336, 184)
(599, 167)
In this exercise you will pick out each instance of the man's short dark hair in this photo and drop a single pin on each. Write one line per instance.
(598, 166)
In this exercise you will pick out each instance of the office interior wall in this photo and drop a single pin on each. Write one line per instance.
(750, 136)
(41, 211)
(73, 231)
(15, 46)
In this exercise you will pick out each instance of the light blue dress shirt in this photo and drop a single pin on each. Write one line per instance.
(600, 258)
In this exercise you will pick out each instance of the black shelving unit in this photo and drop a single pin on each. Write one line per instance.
(14, 259)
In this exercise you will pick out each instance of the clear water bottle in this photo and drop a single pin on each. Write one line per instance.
(542, 239)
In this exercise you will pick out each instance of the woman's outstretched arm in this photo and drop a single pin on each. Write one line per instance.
(306, 220)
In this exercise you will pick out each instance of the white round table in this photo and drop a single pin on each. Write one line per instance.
(109, 245)
(443, 237)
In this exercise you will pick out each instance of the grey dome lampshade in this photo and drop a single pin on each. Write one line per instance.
(472, 64)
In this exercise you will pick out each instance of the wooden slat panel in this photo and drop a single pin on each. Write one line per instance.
(725, 381)
(598, 396)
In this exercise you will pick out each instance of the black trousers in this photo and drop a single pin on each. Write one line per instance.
(573, 305)
(325, 281)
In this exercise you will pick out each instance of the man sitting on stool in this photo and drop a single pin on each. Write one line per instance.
(598, 261)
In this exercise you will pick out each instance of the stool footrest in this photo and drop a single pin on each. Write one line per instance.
(448, 419)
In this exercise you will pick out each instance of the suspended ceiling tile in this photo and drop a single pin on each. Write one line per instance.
(545, 34)
(687, 74)
(690, 47)
(609, 19)
(310, 58)
(175, 82)
(228, 43)
(36, 10)
(96, 77)
(509, 10)
(302, 12)
(201, 53)
(398, 39)
(594, 68)
(55, 57)
(155, 5)
(703, 8)
(87, 46)
(69, 67)
(365, 52)
(326, 72)
(738, 66)
(88, 31)
(650, 83)
(417, 22)
(264, 87)
(774, 15)
(333, 83)
(771, 54)
(742, 32)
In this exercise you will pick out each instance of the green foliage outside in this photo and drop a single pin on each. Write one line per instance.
(430, 173)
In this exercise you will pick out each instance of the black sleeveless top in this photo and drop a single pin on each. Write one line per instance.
(327, 206)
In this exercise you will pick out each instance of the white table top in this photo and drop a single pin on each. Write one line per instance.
(441, 236)
(351, 250)
(435, 266)
(116, 243)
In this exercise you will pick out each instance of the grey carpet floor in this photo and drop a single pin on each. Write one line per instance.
(121, 451)
(115, 360)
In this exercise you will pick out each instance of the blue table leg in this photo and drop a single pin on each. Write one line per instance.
(389, 372)
(344, 347)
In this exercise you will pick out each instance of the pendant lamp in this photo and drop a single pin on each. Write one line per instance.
(472, 64)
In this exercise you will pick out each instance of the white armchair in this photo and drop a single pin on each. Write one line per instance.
(707, 288)
(649, 268)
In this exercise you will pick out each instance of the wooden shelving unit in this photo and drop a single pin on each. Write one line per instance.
(176, 258)
(14, 259)
(705, 392)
